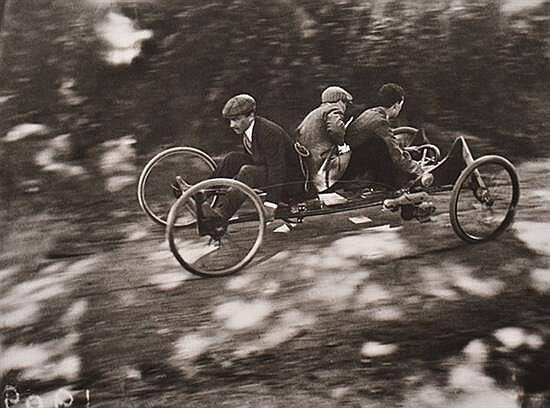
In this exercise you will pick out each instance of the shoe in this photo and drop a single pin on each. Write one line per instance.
(179, 187)
(210, 222)
(176, 190)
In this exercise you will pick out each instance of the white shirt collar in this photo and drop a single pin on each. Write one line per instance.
(248, 132)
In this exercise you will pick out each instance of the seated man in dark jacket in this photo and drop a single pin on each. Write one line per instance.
(374, 148)
(268, 160)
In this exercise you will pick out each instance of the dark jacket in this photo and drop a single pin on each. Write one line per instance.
(373, 123)
(273, 147)
(353, 111)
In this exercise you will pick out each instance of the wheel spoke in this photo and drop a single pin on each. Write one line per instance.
(235, 246)
(484, 199)
(155, 193)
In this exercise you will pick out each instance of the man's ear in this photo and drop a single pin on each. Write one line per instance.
(398, 105)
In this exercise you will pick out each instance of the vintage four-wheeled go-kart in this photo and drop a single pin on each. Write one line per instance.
(484, 196)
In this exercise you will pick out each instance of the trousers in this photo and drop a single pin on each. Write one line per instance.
(371, 159)
(239, 166)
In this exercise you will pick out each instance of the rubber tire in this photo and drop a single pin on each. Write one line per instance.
(243, 188)
(404, 130)
(151, 164)
(463, 178)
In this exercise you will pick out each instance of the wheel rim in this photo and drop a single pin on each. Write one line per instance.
(155, 195)
(481, 213)
(405, 135)
(236, 247)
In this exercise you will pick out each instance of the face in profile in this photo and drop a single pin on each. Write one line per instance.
(240, 123)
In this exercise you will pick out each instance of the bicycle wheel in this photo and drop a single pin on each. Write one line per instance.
(155, 195)
(227, 252)
(406, 135)
(484, 199)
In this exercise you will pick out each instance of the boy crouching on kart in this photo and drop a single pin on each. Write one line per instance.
(377, 152)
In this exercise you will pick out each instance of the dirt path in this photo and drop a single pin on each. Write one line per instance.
(331, 314)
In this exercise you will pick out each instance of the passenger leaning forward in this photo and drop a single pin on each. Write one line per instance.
(320, 137)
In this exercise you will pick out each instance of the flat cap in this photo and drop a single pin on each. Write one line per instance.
(239, 105)
(335, 94)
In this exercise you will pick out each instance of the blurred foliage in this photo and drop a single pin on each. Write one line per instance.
(465, 65)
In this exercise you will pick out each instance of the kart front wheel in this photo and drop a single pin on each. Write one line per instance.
(484, 199)
(155, 194)
(405, 135)
(221, 253)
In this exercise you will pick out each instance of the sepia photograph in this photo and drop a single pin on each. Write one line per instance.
(275, 203)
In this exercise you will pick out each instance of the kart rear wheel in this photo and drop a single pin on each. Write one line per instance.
(484, 199)
(210, 256)
(155, 195)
